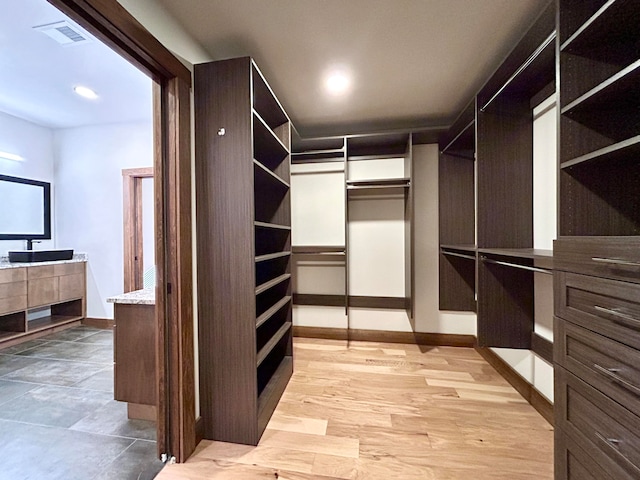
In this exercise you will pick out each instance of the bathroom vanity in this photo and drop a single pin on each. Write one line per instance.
(40, 298)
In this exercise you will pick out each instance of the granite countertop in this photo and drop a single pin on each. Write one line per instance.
(146, 296)
(4, 261)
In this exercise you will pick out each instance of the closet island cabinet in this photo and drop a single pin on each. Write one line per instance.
(243, 217)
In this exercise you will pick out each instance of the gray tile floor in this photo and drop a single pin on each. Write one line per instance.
(58, 418)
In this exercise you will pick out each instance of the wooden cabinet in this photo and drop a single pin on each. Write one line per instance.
(244, 227)
(134, 354)
(57, 290)
(597, 291)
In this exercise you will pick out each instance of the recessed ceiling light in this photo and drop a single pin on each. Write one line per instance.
(337, 81)
(11, 156)
(85, 92)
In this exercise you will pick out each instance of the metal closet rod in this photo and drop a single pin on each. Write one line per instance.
(521, 68)
(516, 265)
(461, 255)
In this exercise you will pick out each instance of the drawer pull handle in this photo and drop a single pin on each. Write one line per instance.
(616, 261)
(628, 319)
(614, 445)
(612, 373)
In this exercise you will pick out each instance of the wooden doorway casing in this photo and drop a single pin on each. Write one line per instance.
(108, 21)
(132, 226)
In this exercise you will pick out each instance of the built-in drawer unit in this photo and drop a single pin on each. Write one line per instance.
(606, 431)
(573, 463)
(50, 284)
(609, 257)
(605, 364)
(13, 290)
(608, 307)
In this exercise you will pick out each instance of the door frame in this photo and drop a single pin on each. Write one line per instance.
(108, 21)
(133, 251)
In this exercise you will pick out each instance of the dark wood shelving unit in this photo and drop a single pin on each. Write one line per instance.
(457, 225)
(596, 261)
(600, 119)
(504, 126)
(244, 249)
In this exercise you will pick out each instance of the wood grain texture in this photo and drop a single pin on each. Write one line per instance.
(234, 192)
(134, 354)
(361, 410)
(505, 306)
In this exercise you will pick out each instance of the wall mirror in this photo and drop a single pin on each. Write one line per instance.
(25, 209)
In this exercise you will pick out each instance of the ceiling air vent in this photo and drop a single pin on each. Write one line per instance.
(65, 33)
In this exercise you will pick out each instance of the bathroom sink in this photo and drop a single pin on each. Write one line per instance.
(27, 256)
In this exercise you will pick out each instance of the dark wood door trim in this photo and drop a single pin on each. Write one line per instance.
(133, 253)
(112, 24)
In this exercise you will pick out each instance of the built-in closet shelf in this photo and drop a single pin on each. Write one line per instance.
(607, 25)
(612, 94)
(268, 398)
(243, 192)
(273, 341)
(271, 256)
(458, 254)
(272, 283)
(273, 310)
(273, 226)
(462, 248)
(463, 144)
(324, 155)
(266, 136)
(618, 151)
(318, 250)
(384, 183)
(265, 172)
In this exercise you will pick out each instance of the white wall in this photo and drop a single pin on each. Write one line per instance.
(35, 144)
(88, 176)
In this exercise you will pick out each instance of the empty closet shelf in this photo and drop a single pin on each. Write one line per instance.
(271, 256)
(379, 183)
(318, 250)
(272, 283)
(274, 309)
(273, 341)
(458, 254)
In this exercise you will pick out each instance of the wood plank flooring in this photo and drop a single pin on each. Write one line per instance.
(387, 411)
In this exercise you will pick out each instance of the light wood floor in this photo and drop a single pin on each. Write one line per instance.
(387, 411)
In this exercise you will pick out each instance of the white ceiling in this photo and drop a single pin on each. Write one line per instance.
(37, 75)
(414, 62)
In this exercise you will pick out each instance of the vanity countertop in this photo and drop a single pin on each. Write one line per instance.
(146, 296)
(4, 261)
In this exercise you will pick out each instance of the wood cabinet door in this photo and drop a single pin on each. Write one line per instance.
(71, 287)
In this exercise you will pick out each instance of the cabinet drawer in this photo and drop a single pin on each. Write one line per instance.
(71, 286)
(43, 271)
(42, 291)
(69, 268)
(605, 364)
(573, 463)
(608, 307)
(606, 431)
(609, 257)
(10, 275)
(13, 297)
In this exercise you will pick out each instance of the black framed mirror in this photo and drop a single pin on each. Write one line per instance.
(25, 209)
